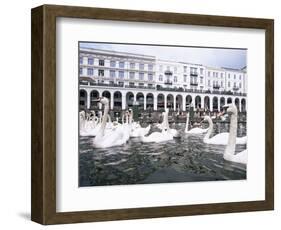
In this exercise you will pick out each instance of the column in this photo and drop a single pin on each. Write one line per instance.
(219, 107)
(111, 100)
(165, 101)
(88, 99)
(123, 102)
(154, 102)
(183, 103)
(211, 103)
(202, 102)
(144, 102)
(240, 105)
(175, 105)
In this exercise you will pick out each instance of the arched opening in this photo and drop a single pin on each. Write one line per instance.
(188, 102)
(197, 102)
(243, 105)
(215, 104)
(222, 103)
(170, 101)
(237, 104)
(207, 103)
(83, 99)
(149, 101)
(117, 100)
(93, 97)
(179, 102)
(140, 100)
(129, 99)
(160, 101)
(229, 100)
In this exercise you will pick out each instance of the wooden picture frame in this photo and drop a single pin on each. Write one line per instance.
(43, 208)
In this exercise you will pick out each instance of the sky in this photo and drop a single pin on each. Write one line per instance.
(212, 57)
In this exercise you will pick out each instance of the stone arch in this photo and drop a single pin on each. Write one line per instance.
(140, 100)
(149, 101)
(197, 102)
(170, 101)
(236, 101)
(117, 100)
(215, 104)
(83, 99)
(160, 101)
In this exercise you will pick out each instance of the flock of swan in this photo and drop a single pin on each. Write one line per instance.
(109, 134)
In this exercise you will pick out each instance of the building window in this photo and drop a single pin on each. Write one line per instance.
(217, 74)
(201, 71)
(150, 86)
(160, 68)
(121, 84)
(141, 76)
(90, 71)
(201, 80)
(234, 76)
(175, 79)
(214, 74)
(90, 61)
(228, 75)
(239, 77)
(132, 65)
(150, 67)
(141, 66)
(121, 74)
(229, 84)
(112, 63)
(221, 75)
(185, 78)
(209, 83)
(81, 60)
(101, 72)
(150, 77)
(193, 70)
(121, 64)
(209, 74)
(185, 69)
(160, 78)
(131, 84)
(101, 62)
(141, 85)
(112, 73)
(132, 75)
(240, 85)
(221, 83)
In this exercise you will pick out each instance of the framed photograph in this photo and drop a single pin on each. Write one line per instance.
(139, 114)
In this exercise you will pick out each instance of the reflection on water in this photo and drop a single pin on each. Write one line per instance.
(183, 159)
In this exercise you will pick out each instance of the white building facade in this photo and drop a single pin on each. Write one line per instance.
(154, 84)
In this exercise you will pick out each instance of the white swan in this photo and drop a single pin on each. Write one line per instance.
(196, 130)
(229, 153)
(164, 135)
(221, 138)
(113, 137)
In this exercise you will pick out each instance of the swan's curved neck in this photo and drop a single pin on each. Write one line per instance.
(109, 118)
(187, 122)
(104, 118)
(210, 130)
(230, 148)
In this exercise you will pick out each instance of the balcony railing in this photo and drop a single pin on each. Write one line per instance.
(168, 82)
(194, 74)
(216, 87)
(194, 83)
(235, 88)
